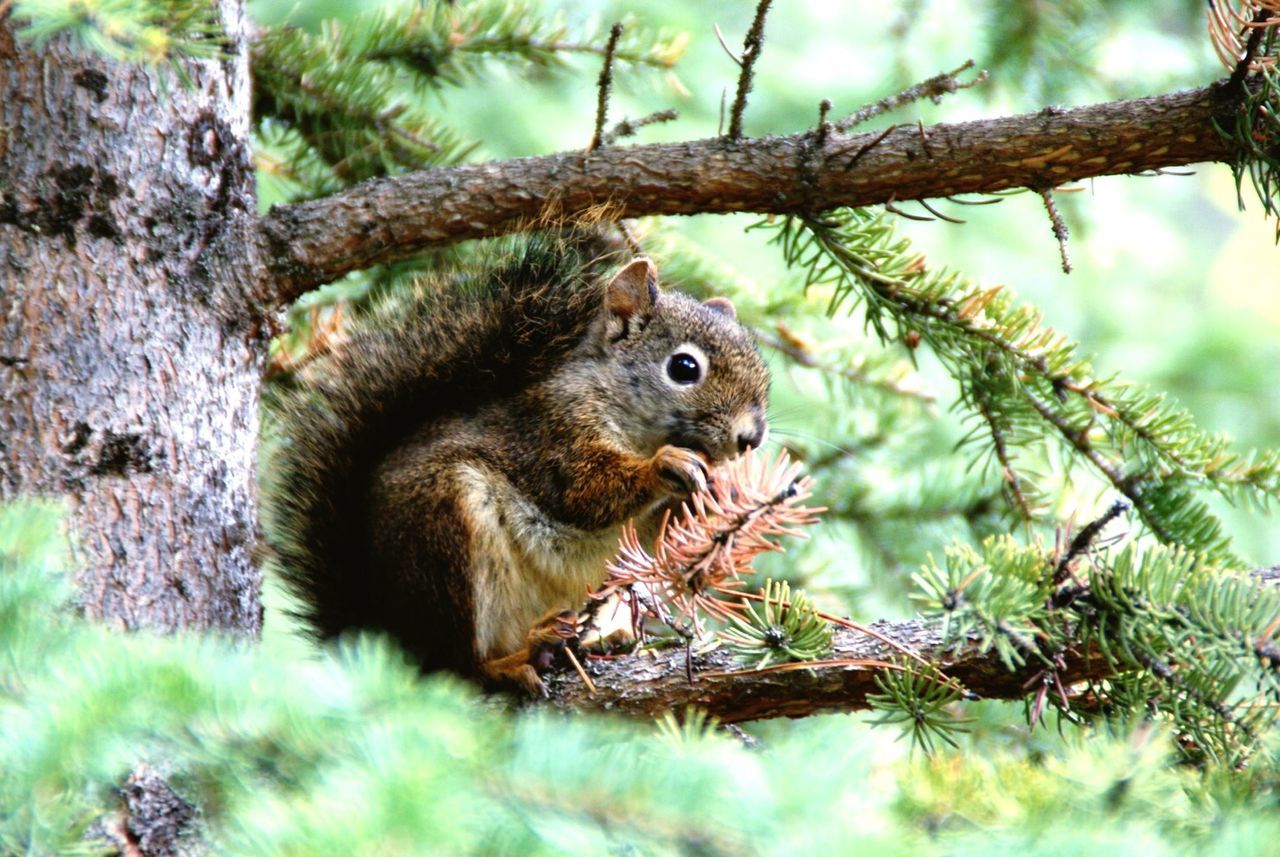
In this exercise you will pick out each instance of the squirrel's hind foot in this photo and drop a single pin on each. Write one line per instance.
(523, 667)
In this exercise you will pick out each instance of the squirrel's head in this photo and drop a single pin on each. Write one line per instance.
(677, 371)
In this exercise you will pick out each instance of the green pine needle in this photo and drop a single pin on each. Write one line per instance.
(1256, 131)
(134, 31)
(779, 628)
(443, 44)
(921, 698)
(998, 595)
(696, 725)
(1187, 643)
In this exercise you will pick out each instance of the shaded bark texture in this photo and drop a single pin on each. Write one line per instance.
(129, 356)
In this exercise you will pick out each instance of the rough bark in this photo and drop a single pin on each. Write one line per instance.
(314, 242)
(651, 683)
(129, 356)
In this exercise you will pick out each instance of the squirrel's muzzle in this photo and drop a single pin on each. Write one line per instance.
(750, 431)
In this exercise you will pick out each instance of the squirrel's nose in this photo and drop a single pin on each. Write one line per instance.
(752, 437)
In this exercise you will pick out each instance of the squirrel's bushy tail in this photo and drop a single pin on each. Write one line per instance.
(450, 345)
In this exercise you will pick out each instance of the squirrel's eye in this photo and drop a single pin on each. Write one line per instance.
(683, 368)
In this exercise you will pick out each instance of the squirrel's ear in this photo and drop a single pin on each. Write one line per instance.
(633, 291)
(721, 305)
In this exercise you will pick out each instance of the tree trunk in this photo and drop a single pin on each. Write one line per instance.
(129, 352)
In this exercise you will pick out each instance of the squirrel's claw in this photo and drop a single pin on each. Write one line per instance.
(684, 470)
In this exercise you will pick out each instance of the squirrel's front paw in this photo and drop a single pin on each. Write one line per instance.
(683, 470)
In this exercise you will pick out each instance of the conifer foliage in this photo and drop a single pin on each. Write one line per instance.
(352, 752)
(347, 104)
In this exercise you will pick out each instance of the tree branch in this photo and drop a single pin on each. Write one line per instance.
(311, 243)
(650, 683)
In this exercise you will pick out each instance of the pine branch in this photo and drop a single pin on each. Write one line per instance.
(310, 243)
(1248, 41)
(347, 105)
(1237, 35)
(653, 682)
(865, 372)
(1176, 634)
(448, 44)
(1040, 45)
(1012, 483)
(628, 127)
(1060, 230)
(339, 123)
(703, 551)
(1026, 382)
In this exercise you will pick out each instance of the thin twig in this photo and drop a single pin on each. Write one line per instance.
(751, 47)
(666, 617)
(628, 127)
(1163, 671)
(737, 60)
(504, 45)
(577, 665)
(1241, 71)
(603, 85)
(805, 358)
(1079, 441)
(933, 88)
(1084, 540)
(1060, 230)
(1076, 437)
(824, 127)
(868, 146)
(792, 666)
(846, 623)
(384, 122)
(924, 138)
(1010, 475)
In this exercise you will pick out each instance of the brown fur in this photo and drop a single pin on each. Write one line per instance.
(467, 465)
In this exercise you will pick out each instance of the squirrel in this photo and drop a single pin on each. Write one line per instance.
(456, 472)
